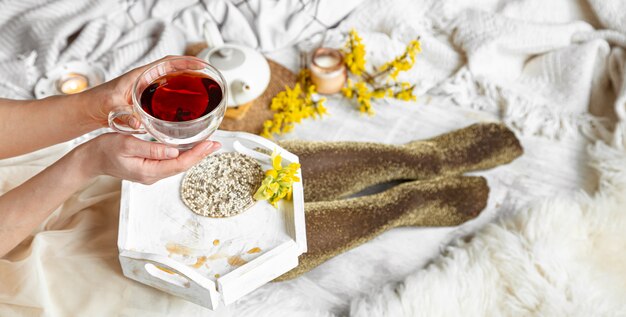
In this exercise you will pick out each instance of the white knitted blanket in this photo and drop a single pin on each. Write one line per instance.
(553, 70)
(119, 35)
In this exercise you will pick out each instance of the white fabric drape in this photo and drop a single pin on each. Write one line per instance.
(553, 70)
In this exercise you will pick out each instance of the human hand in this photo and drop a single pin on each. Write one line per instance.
(136, 160)
(117, 94)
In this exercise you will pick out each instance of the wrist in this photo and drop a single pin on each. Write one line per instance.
(83, 161)
(94, 105)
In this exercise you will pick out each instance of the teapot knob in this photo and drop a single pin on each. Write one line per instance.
(225, 52)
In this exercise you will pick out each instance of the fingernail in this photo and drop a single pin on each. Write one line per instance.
(171, 152)
(133, 122)
(211, 147)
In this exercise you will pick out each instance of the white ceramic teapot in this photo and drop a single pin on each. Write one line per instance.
(246, 71)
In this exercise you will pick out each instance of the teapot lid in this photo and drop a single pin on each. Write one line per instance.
(226, 58)
(246, 71)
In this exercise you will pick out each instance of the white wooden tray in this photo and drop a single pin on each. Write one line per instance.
(209, 261)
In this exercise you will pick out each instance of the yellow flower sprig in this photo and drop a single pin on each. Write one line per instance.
(292, 105)
(363, 95)
(369, 86)
(278, 181)
(355, 53)
(403, 62)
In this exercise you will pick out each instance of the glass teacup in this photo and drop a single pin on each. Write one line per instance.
(182, 130)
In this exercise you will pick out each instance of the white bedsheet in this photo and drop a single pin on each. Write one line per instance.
(476, 66)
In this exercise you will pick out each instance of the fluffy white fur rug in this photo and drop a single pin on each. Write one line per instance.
(565, 256)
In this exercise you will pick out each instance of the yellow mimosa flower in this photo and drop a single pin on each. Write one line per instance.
(403, 62)
(293, 105)
(278, 181)
(355, 53)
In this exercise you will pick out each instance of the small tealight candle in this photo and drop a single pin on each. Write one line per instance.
(73, 83)
(326, 61)
(328, 71)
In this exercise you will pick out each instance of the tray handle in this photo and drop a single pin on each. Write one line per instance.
(263, 143)
(258, 140)
(261, 157)
(170, 276)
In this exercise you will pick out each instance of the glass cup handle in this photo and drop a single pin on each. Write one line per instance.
(123, 129)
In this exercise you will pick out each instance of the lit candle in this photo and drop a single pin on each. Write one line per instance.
(326, 61)
(73, 83)
(328, 72)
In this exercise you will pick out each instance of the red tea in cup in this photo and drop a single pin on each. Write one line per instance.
(181, 96)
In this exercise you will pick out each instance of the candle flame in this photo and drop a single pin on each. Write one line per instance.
(73, 83)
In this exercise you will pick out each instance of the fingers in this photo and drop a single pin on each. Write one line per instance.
(133, 147)
(127, 119)
(144, 162)
(165, 168)
(177, 62)
(189, 62)
(189, 158)
(133, 122)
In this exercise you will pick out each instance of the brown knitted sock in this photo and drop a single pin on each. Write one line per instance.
(334, 227)
(332, 170)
